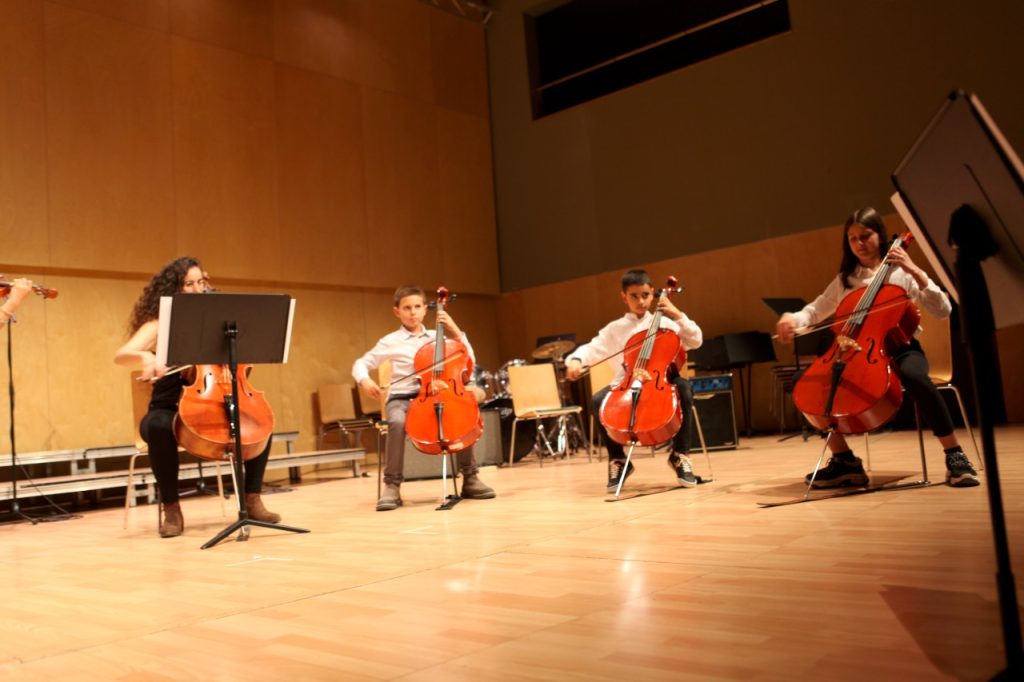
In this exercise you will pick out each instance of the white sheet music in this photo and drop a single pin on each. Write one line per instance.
(164, 330)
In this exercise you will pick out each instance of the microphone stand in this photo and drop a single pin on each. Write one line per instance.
(15, 509)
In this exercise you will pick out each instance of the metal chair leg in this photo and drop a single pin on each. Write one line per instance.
(821, 458)
(512, 445)
(703, 445)
(970, 431)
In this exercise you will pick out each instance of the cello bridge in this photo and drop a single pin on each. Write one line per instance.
(845, 343)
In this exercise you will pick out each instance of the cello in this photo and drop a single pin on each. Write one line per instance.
(202, 425)
(853, 388)
(644, 407)
(444, 417)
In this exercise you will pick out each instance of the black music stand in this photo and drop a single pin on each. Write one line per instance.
(204, 330)
(961, 192)
(737, 352)
(812, 343)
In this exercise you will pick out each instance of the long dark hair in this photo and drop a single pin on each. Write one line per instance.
(871, 219)
(167, 282)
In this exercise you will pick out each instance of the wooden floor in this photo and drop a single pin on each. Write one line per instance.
(547, 582)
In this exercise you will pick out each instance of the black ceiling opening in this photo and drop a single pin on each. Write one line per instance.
(582, 49)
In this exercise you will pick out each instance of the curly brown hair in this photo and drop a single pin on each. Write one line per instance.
(167, 282)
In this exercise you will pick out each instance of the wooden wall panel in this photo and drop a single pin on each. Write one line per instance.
(297, 143)
(325, 341)
(466, 217)
(23, 219)
(394, 48)
(478, 317)
(320, 35)
(151, 13)
(225, 160)
(109, 149)
(1011, 364)
(401, 189)
(88, 396)
(459, 68)
(320, 178)
(243, 25)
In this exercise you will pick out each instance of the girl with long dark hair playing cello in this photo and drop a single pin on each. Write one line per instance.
(184, 275)
(865, 249)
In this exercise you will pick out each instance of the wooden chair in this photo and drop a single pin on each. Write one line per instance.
(535, 396)
(936, 341)
(600, 376)
(937, 344)
(338, 413)
(142, 391)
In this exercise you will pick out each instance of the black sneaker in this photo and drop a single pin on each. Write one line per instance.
(684, 470)
(615, 473)
(840, 471)
(959, 472)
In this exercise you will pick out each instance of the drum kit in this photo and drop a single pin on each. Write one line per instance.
(555, 437)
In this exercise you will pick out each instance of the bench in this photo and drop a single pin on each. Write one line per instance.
(83, 476)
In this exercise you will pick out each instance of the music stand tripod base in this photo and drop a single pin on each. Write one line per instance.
(242, 526)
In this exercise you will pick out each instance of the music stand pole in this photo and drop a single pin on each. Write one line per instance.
(234, 419)
(15, 507)
(969, 233)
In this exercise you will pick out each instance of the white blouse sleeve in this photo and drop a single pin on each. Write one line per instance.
(823, 306)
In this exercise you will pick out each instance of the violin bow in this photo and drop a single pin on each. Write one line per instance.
(417, 373)
(804, 331)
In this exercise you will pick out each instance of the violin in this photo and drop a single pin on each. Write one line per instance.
(444, 417)
(202, 425)
(644, 407)
(5, 288)
(853, 388)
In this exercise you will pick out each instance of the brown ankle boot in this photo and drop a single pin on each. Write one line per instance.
(254, 507)
(171, 522)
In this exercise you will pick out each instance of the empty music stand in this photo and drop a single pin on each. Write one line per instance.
(226, 329)
(811, 343)
(961, 192)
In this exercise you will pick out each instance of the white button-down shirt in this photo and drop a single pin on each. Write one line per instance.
(400, 348)
(613, 337)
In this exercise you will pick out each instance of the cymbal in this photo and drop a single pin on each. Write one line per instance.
(553, 349)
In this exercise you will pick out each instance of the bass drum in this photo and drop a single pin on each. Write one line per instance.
(501, 388)
(526, 431)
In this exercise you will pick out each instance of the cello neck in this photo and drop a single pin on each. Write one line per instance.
(874, 286)
(442, 297)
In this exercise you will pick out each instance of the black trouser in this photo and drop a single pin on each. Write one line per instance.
(912, 368)
(157, 429)
(680, 442)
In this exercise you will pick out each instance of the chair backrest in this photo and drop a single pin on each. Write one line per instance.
(369, 406)
(384, 374)
(142, 391)
(533, 387)
(936, 342)
(336, 403)
(601, 375)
